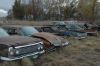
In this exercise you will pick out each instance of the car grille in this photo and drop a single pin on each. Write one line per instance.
(27, 50)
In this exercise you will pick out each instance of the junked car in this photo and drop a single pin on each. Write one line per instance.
(88, 28)
(62, 30)
(76, 28)
(82, 27)
(17, 47)
(50, 41)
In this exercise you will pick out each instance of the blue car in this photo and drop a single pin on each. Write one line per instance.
(63, 30)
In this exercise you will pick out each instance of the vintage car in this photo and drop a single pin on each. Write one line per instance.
(50, 41)
(17, 47)
(77, 28)
(88, 28)
(62, 30)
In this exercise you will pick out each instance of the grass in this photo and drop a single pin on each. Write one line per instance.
(84, 52)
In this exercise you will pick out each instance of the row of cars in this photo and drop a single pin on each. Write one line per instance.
(17, 42)
(79, 30)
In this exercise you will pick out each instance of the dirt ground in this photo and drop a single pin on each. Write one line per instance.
(84, 52)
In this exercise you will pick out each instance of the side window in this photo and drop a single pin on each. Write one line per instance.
(19, 32)
(12, 31)
(47, 29)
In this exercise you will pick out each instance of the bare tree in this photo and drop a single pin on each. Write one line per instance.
(87, 9)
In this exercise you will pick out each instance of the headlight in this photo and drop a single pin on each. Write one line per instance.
(39, 48)
(17, 52)
(11, 51)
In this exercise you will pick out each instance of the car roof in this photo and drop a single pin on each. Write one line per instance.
(10, 26)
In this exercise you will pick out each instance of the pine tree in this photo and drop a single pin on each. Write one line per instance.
(18, 10)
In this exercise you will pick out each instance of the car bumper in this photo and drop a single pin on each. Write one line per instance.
(20, 57)
(62, 44)
(65, 44)
(80, 37)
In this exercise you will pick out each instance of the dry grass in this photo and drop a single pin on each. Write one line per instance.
(80, 53)
(84, 52)
(26, 62)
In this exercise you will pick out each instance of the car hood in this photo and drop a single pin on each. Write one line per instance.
(18, 40)
(53, 39)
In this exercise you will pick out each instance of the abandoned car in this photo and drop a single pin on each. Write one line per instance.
(50, 41)
(18, 47)
(88, 28)
(62, 30)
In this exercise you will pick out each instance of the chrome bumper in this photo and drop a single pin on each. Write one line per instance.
(20, 57)
(65, 44)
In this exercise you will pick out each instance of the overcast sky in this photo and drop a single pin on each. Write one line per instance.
(6, 4)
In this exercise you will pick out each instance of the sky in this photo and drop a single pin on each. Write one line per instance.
(3, 13)
(5, 5)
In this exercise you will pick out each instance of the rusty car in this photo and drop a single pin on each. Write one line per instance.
(50, 41)
(17, 47)
(88, 28)
(62, 30)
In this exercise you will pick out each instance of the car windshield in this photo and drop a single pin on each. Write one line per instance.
(28, 30)
(3, 33)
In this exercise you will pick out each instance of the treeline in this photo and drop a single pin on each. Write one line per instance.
(54, 10)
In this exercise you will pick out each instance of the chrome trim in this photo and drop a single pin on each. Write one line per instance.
(16, 58)
(29, 45)
(42, 52)
(65, 44)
